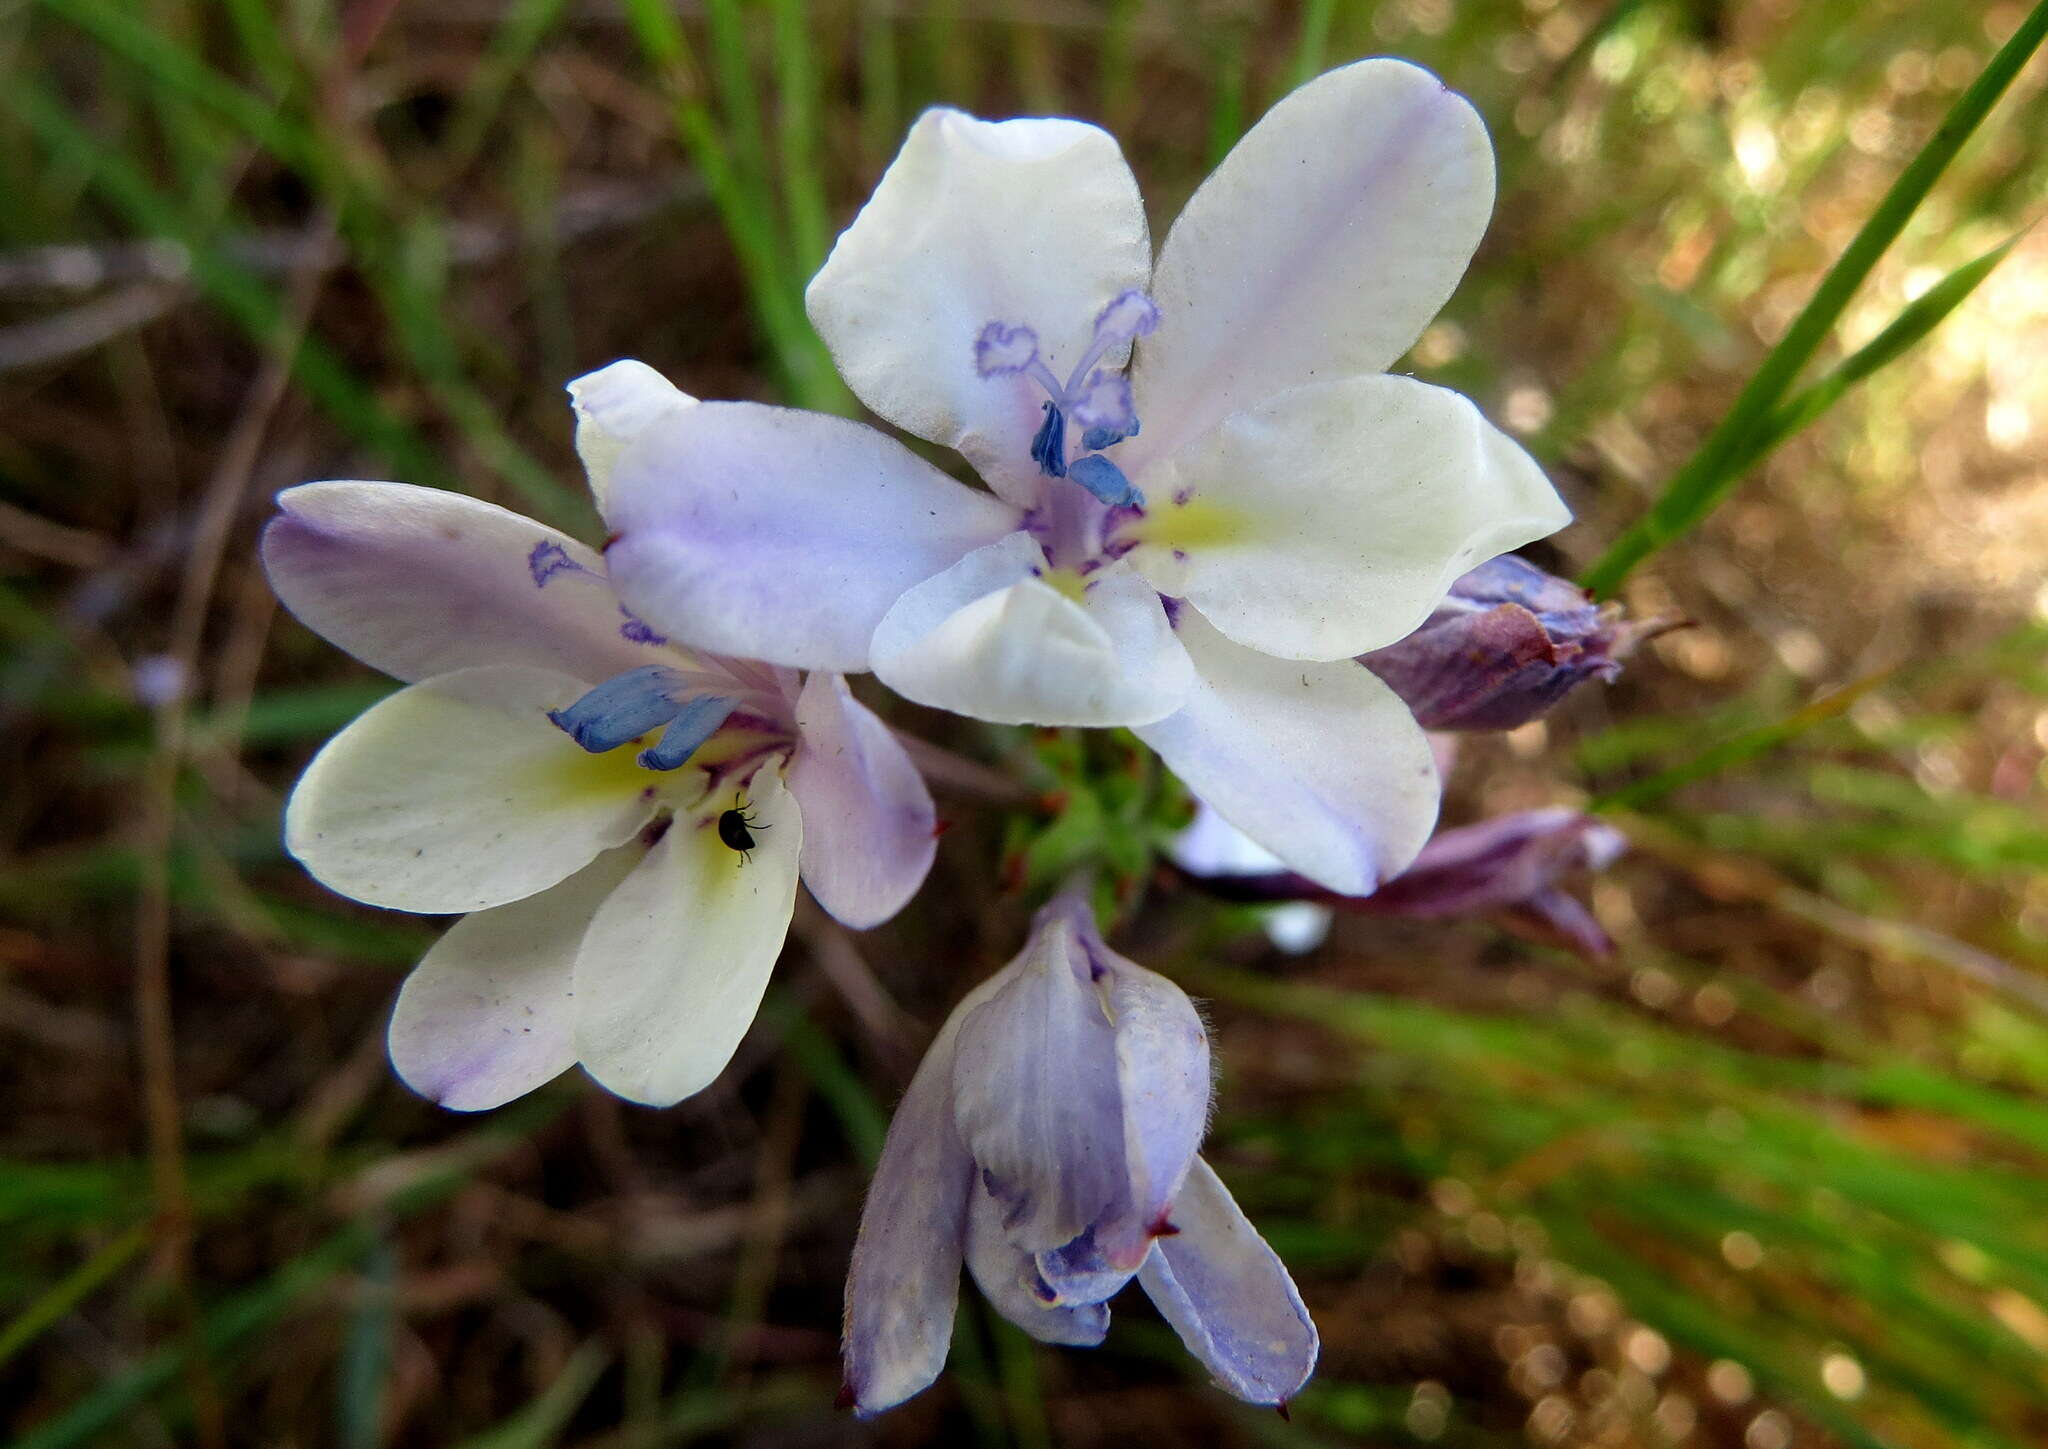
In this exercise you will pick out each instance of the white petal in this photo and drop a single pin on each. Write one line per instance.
(989, 639)
(614, 405)
(768, 533)
(672, 970)
(869, 825)
(1332, 519)
(419, 581)
(1321, 247)
(457, 793)
(1319, 763)
(1033, 223)
(1229, 1296)
(489, 1014)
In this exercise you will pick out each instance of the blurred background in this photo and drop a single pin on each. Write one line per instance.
(1771, 1175)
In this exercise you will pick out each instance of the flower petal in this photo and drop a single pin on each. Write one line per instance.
(904, 1281)
(1163, 1081)
(1009, 1280)
(1331, 520)
(457, 794)
(1319, 763)
(672, 969)
(769, 533)
(1031, 224)
(488, 1014)
(1035, 1094)
(1229, 1297)
(990, 639)
(614, 405)
(869, 825)
(418, 582)
(1320, 248)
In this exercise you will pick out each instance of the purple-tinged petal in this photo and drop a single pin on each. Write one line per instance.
(904, 1282)
(869, 826)
(1319, 763)
(489, 1013)
(1163, 1079)
(1011, 1283)
(1229, 1296)
(1320, 248)
(768, 533)
(1035, 1094)
(418, 582)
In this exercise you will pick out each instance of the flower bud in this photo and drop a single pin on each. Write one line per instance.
(1048, 1144)
(1506, 644)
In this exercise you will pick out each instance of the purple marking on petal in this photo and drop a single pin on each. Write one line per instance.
(633, 631)
(1173, 608)
(548, 559)
(1001, 350)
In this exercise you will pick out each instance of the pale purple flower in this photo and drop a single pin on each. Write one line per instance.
(1511, 866)
(1048, 1143)
(1506, 644)
(1207, 495)
(559, 770)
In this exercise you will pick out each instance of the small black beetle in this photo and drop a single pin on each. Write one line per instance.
(736, 829)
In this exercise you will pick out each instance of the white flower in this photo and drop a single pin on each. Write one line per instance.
(567, 775)
(1207, 579)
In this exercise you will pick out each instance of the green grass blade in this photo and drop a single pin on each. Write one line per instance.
(542, 1421)
(70, 1290)
(1914, 322)
(1311, 50)
(1709, 474)
(246, 301)
(1745, 746)
(525, 25)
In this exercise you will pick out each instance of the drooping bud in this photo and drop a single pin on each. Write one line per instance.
(1048, 1143)
(1511, 866)
(1506, 644)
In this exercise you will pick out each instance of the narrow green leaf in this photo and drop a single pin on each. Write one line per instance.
(245, 300)
(1745, 746)
(1698, 487)
(70, 1291)
(540, 1423)
(1918, 318)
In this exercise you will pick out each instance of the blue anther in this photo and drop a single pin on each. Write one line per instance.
(1096, 439)
(628, 705)
(623, 708)
(1049, 446)
(686, 733)
(1105, 480)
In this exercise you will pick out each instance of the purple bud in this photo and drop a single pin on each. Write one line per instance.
(1506, 644)
(1509, 866)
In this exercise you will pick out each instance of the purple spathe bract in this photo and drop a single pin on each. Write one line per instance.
(1505, 646)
